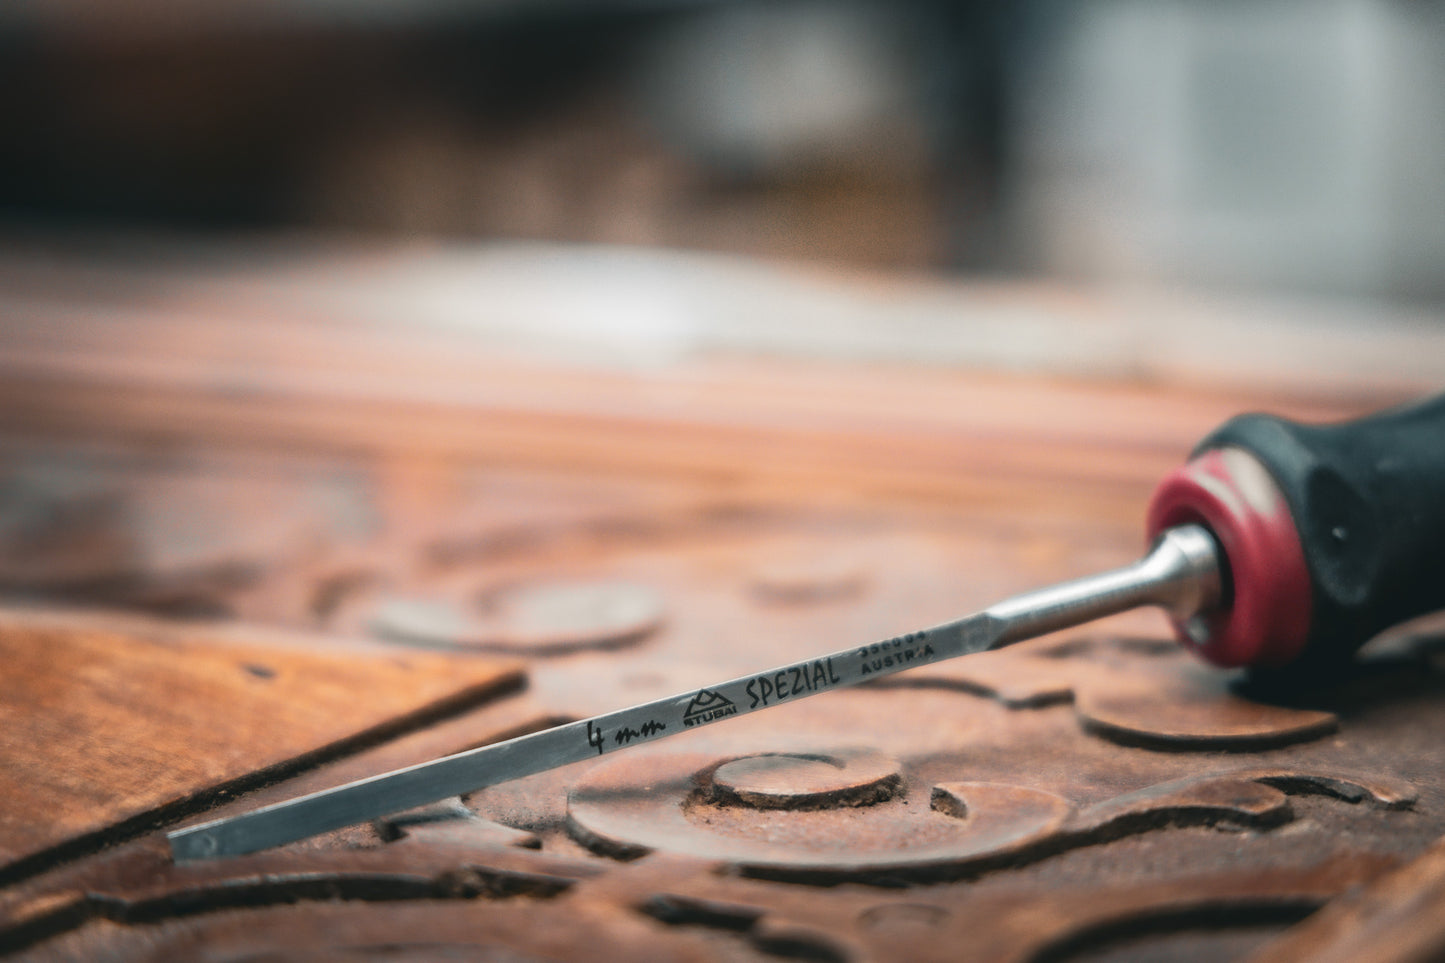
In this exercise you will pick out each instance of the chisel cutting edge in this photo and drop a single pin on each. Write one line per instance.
(1276, 543)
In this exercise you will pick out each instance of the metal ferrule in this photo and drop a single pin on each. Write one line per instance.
(1181, 574)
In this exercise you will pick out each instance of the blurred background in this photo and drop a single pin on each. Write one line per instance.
(1282, 146)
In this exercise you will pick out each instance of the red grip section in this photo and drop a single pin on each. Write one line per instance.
(1268, 619)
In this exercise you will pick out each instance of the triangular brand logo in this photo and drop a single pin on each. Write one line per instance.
(707, 706)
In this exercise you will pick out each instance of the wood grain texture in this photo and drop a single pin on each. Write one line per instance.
(103, 726)
(1399, 918)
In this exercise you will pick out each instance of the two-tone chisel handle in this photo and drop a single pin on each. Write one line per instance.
(1330, 533)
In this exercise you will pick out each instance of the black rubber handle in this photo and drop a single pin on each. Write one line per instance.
(1367, 499)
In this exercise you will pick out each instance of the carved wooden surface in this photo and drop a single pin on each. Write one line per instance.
(323, 579)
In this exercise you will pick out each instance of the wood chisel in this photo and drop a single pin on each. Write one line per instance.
(1277, 546)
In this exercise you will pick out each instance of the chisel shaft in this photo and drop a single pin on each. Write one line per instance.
(1180, 573)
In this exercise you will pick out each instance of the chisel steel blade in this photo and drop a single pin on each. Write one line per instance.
(392, 792)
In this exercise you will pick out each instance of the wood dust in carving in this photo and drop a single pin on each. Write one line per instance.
(99, 726)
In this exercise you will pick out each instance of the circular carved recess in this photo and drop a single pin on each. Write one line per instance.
(902, 919)
(855, 777)
(1193, 709)
(806, 581)
(629, 806)
(537, 619)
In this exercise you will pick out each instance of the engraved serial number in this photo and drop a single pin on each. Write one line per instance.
(894, 653)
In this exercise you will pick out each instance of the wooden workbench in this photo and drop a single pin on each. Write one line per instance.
(255, 542)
